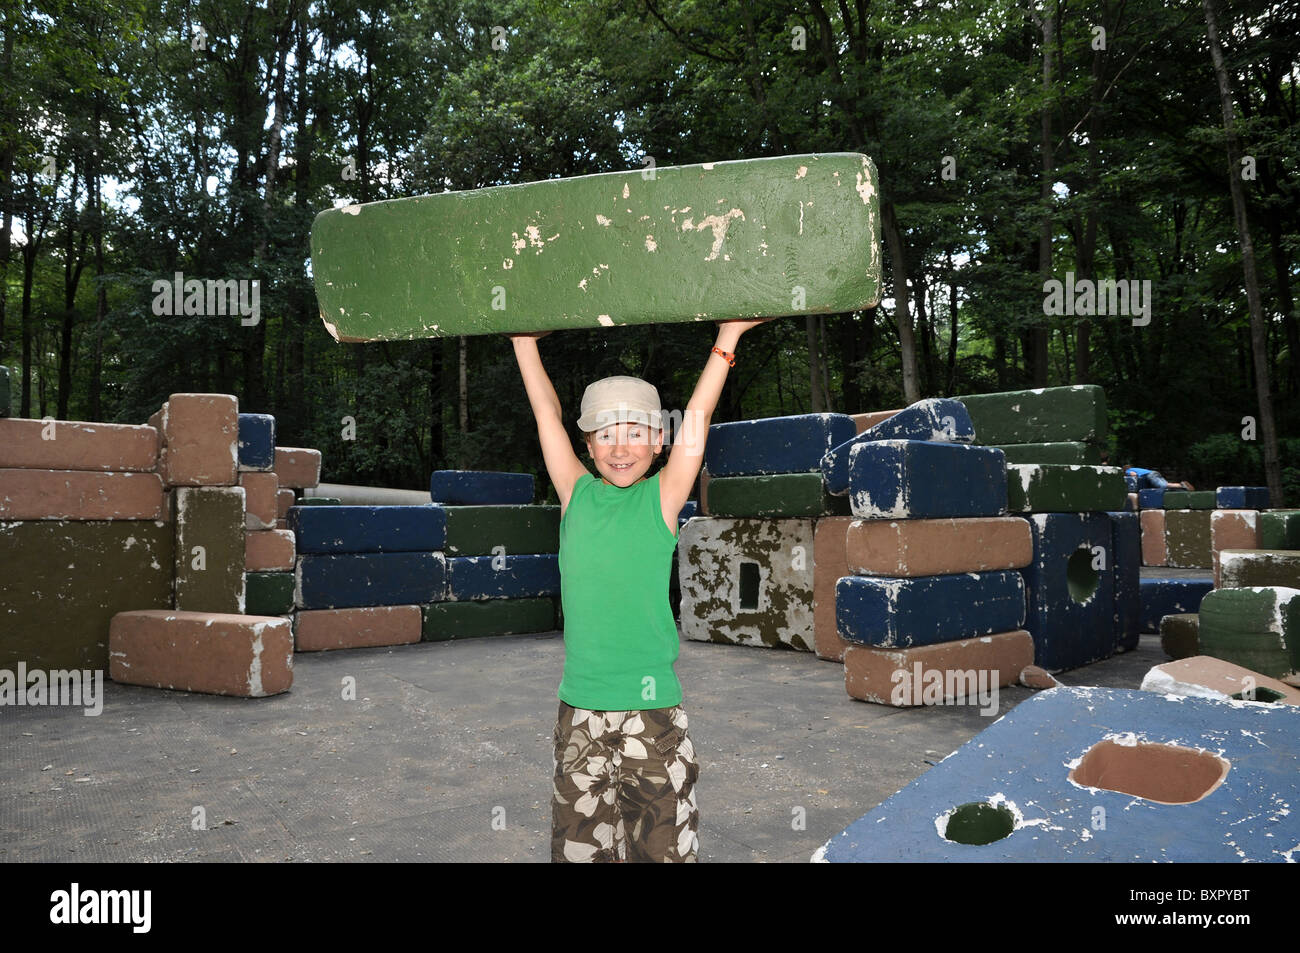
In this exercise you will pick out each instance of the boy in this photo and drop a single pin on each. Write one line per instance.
(624, 765)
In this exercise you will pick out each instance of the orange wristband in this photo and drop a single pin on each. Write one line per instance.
(728, 356)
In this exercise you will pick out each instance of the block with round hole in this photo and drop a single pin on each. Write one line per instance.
(1071, 590)
(1126, 545)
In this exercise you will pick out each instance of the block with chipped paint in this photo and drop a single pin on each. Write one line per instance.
(214, 653)
(210, 548)
(261, 499)
(268, 593)
(1189, 500)
(1151, 499)
(200, 439)
(770, 445)
(1064, 488)
(1203, 676)
(480, 488)
(935, 547)
(1187, 539)
(489, 530)
(352, 580)
(1155, 551)
(692, 243)
(368, 529)
(1241, 497)
(1162, 597)
(517, 576)
(1258, 628)
(269, 550)
(1180, 635)
(1232, 529)
(61, 582)
(321, 630)
(1248, 568)
(867, 421)
(77, 445)
(1070, 586)
(297, 467)
(1045, 415)
(256, 442)
(779, 496)
(449, 621)
(1175, 778)
(284, 498)
(747, 581)
(967, 671)
(1063, 452)
(936, 419)
(335, 501)
(80, 495)
(899, 613)
(829, 543)
(1126, 549)
(913, 479)
(1279, 529)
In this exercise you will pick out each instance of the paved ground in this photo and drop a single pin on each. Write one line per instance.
(445, 756)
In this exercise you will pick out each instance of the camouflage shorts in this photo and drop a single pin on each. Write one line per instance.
(624, 787)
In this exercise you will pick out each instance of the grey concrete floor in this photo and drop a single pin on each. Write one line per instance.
(445, 755)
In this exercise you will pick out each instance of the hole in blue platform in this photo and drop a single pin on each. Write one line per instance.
(979, 823)
(749, 585)
(1080, 578)
(1167, 774)
(1258, 695)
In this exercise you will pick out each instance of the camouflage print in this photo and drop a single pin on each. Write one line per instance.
(624, 787)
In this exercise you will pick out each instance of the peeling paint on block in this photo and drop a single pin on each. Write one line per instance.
(1279, 529)
(771, 445)
(1189, 500)
(1233, 529)
(1071, 590)
(76, 445)
(369, 579)
(912, 479)
(269, 550)
(320, 630)
(1187, 537)
(80, 495)
(1258, 628)
(1162, 597)
(210, 548)
(956, 671)
(935, 547)
(1202, 676)
(789, 495)
(261, 492)
(1249, 568)
(1151, 499)
(1045, 415)
(900, 613)
(1061, 488)
(200, 439)
(256, 442)
(936, 419)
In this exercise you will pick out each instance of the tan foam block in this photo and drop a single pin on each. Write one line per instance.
(156, 418)
(1154, 550)
(1232, 529)
(201, 434)
(319, 630)
(284, 498)
(281, 524)
(297, 467)
(216, 653)
(76, 445)
(80, 495)
(937, 674)
(867, 421)
(934, 547)
(261, 499)
(828, 566)
(270, 550)
(1205, 676)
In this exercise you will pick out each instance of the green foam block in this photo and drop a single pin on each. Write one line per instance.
(209, 548)
(268, 593)
(780, 494)
(1247, 568)
(1279, 529)
(1258, 629)
(1062, 488)
(477, 530)
(1189, 499)
(1046, 415)
(1179, 635)
(1188, 539)
(319, 501)
(692, 243)
(1077, 452)
(446, 621)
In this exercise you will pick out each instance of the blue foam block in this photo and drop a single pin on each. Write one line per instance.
(1149, 499)
(938, 419)
(1241, 498)
(774, 444)
(502, 577)
(369, 579)
(368, 529)
(1126, 550)
(1162, 597)
(1022, 763)
(480, 487)
(923, 610)
(689, 509)
(1071, 604)
(911, 479)
(256, 441)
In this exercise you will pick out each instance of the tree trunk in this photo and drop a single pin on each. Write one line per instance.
(1038, 336)
(814, 365)
(951, 380)
(902, 316)
(464, 384)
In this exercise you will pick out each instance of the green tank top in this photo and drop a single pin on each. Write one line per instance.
(620, 639)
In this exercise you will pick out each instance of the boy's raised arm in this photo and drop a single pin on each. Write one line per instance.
(562, 464)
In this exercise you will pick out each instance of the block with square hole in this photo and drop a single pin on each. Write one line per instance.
(938, 419)
(1241, 497)
(1257, 628)
(794, 444)
(1058, 488)
(517, 576)
(781, 495)
(449, 621)
(368, 529)
(1070, 586)
(913, 479)
(1248, 568)
(1126, 546)
(1045, 415)
(352, 580)
(1187, 537)
(747, 581)
(1099, 775)
(480, 487)
(900, 613)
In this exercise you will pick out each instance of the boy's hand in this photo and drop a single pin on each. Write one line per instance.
(740, 325)
(527, 334)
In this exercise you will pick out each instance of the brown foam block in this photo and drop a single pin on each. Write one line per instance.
(1187, 534)
(210, 545)
(864, 422)
(297, 467)
(935, 547)
(1204, 676)
(829, 565)
(1232, 529)
(77, 445)
(703, 509)
(261, 499)
(284, 499)
(80, 495)
(319, 630)
(215, 653)
(1154, 550)
(200, 436)
(270, 550)
(942, 673)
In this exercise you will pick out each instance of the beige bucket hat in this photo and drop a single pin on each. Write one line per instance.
(616, 400)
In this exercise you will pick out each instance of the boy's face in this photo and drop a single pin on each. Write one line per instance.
(623, 452)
